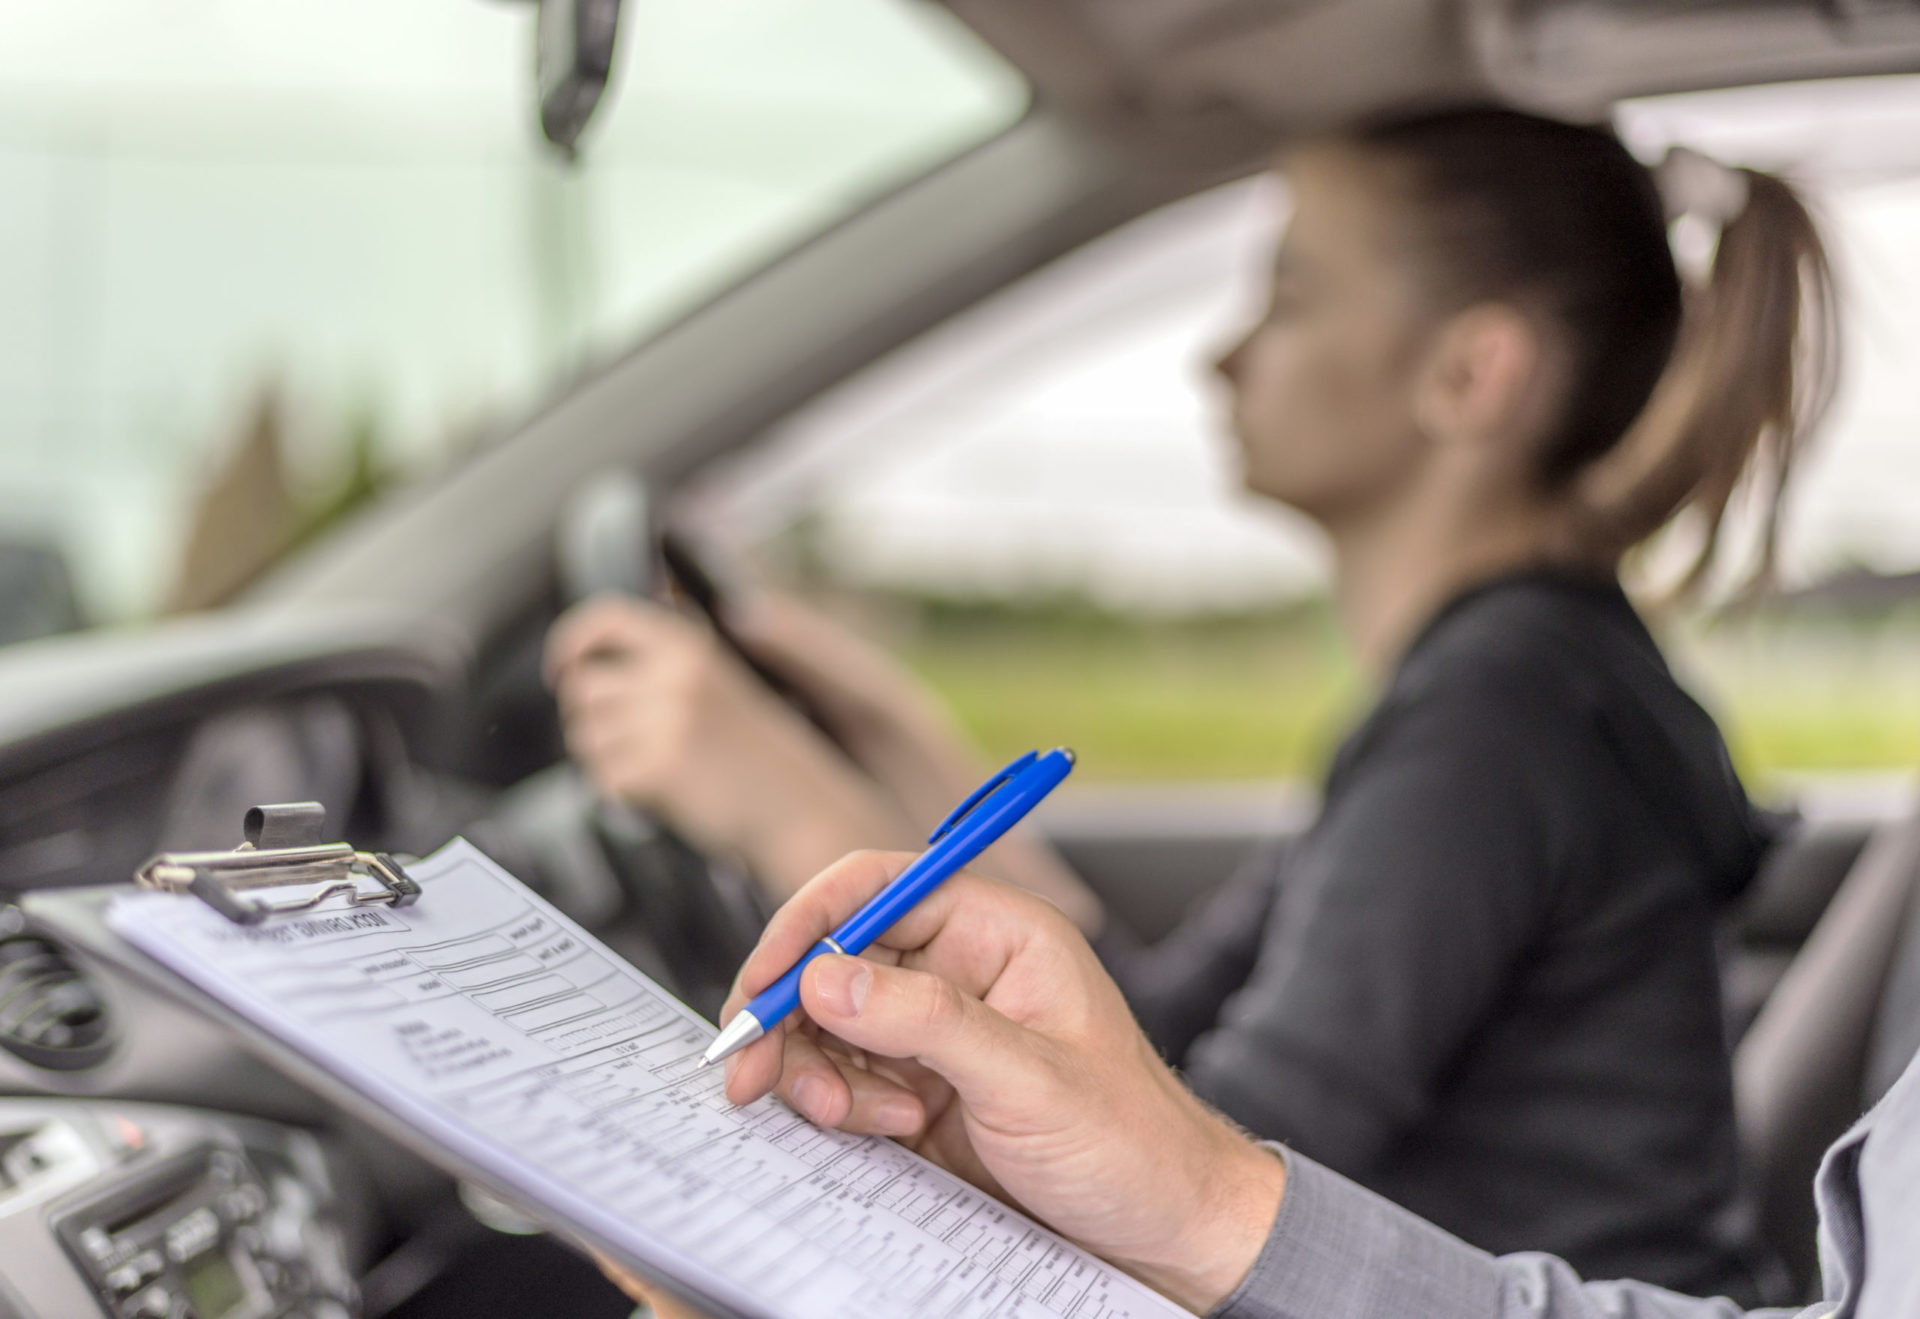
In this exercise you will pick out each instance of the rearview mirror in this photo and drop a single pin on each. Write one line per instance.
(573, 60)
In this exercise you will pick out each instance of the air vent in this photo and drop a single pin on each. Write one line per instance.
(50, 1014)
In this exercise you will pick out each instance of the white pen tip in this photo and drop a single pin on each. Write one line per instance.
(743, 1030)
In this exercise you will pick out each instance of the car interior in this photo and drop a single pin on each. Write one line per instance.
(389, 669)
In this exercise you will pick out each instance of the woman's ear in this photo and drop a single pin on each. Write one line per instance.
(1483, 381)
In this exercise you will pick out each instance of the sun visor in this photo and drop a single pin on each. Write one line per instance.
(1293, 65)
(1577, 57)
(1284, 64)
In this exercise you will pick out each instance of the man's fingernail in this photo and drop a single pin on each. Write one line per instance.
(842, 984)
(810, 1095)
(897, 1117)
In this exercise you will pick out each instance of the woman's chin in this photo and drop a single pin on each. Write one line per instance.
(1263, 485)
(1239, 462)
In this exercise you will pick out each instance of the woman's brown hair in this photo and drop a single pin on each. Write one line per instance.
(1675, 394)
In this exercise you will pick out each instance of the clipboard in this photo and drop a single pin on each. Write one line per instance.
(282, 849)
(975, 1255)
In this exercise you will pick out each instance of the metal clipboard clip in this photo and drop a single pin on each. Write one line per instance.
(283, 848)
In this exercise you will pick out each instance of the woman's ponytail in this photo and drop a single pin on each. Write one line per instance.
(1754, 369)
(1679, 397)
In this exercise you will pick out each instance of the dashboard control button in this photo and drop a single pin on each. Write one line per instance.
(243, 1202)
(153, 1303)
(193, 1234)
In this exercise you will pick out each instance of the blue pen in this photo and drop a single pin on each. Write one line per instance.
(975, 825)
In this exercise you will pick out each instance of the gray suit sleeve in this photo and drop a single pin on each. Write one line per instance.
(1338, 1251)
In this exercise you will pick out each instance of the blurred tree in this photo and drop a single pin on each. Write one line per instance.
(251, 514)
(244, 519)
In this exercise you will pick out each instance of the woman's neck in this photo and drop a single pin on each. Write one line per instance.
(1394, 571)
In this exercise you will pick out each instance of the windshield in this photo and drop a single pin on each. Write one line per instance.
(258, 260)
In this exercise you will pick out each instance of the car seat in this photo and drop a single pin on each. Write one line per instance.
(1766, 929)
(1819, 1053)
(1896, 1027)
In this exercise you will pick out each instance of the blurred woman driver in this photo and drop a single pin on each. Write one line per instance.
(1484, 982)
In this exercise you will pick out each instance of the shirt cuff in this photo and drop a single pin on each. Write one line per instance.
(1338, 1251)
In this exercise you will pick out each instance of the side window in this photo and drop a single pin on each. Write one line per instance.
(1038, 505)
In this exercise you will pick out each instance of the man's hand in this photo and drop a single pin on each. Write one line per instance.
(660, 714)
(983, 1032)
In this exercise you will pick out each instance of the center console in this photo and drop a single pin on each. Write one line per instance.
(160, 1213)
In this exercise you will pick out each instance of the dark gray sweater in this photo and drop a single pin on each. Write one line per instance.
(1484, 983)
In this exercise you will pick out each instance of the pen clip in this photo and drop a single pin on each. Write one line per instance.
(980, 794)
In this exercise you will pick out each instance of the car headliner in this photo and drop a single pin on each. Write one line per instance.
(1298, 63)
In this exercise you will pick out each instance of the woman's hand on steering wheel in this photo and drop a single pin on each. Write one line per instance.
(660, 714)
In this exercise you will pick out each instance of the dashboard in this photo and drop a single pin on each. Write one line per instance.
(140, 1211)
(150, 1168)
(112, 746)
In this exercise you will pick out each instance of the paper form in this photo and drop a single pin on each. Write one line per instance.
(504, 1032)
